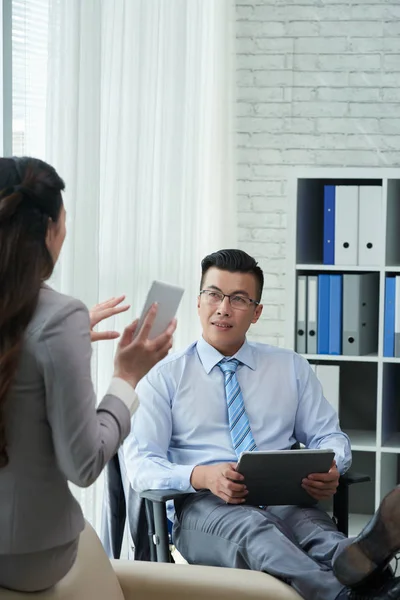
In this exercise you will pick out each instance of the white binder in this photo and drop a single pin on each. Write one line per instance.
(397, 319)
(312, 313)
(370, 225)
(301, 325)
(346, 225)
(329, 377)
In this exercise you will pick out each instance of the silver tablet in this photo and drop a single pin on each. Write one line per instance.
(168, 297)
(274, 477)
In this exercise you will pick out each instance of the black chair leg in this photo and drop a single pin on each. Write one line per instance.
(160, 522)
(341, 509)
(151, 530)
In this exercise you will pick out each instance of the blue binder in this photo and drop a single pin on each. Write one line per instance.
(335, 314)
(323, 314)
(390, 309)
(329, 225)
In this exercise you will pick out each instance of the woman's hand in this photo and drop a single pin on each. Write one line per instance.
(135, 356)
(102, 311)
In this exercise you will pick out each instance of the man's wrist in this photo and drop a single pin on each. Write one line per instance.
(198, 478)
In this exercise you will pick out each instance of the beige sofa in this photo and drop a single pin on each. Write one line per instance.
(94, 577)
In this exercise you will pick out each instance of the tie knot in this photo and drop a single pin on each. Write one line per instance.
(228, 365)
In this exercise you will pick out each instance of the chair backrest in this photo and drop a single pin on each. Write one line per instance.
(91, 578)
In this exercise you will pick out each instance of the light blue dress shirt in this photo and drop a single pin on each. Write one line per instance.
(182, 420)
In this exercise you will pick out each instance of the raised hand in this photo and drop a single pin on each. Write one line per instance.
(102, 311)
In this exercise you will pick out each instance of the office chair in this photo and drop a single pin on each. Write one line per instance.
(159, 528)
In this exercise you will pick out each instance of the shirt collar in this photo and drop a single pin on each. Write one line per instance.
(209, 356)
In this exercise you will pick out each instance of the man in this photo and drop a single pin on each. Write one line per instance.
(201, 407)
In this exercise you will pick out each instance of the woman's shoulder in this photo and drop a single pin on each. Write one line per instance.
(52, 305)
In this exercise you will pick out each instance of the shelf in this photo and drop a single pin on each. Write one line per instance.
(343, 358)
(361, 440)
(392, 269)
(392, 444)
(387, 359)
(357, 522)
(340, 268)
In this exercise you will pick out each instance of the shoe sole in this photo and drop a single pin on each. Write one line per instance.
(376, 548)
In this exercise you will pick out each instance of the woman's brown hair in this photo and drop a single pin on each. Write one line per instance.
(30, 195)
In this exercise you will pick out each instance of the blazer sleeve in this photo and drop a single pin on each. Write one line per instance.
(84, 438)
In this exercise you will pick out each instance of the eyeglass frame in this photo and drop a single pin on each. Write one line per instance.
(218, 292)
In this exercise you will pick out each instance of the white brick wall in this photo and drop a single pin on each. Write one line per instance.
(318, 85)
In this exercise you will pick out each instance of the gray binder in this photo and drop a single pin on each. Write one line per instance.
(301, 322)
(360, 314)
(312, 313)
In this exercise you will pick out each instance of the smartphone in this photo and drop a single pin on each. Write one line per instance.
(168, 298)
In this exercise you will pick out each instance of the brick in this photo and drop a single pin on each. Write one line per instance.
(274, 44)
(273, 78)
(255, 221)
(259, 124)
(368, 79)
(265, 204)
(299, 157)
(271, 109)
(255, 30)
(244, 172)
(348, 125)
(245, 204)
(374, 110)
(243, 139)
(320, 79)
(306, 62)
(391, 29)
(301, 94)
(389, 126)
(267, 234)
(260, 61)
(320, 109)
(391, 62)
(302, 29)
(390, 94)
(244, 77)
(342, 62)
(351, 28)
(244, 109)
(320, 45)
(368, 44)
(299, 125)
(349, 94)
(244, 234)
(273, 188)
(244, 12)
(252, 187)
(264, 94)
(348, 158)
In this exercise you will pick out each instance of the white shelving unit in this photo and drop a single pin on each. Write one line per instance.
(369, 404)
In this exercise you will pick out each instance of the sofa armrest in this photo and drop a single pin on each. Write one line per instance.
(161, 581)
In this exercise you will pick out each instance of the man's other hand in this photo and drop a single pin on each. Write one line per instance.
(222, 480)
(322, 485)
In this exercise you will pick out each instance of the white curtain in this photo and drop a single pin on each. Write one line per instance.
(139, 123)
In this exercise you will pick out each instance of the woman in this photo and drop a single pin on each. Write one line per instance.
(50, 430)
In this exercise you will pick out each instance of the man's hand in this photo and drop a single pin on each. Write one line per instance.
(102, 311)
(322, 485)
(222, 480)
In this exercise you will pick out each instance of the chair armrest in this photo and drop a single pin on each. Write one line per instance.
(349, 478)
(162, 495)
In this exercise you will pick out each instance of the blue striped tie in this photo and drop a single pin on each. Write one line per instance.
(242, 438)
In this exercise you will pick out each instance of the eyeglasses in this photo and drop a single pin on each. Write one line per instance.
(215, 298)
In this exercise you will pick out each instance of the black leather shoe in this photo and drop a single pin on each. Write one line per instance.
(389, 591)
(374, 547)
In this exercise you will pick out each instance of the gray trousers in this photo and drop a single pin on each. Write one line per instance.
(37, 571)
(296, 545)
